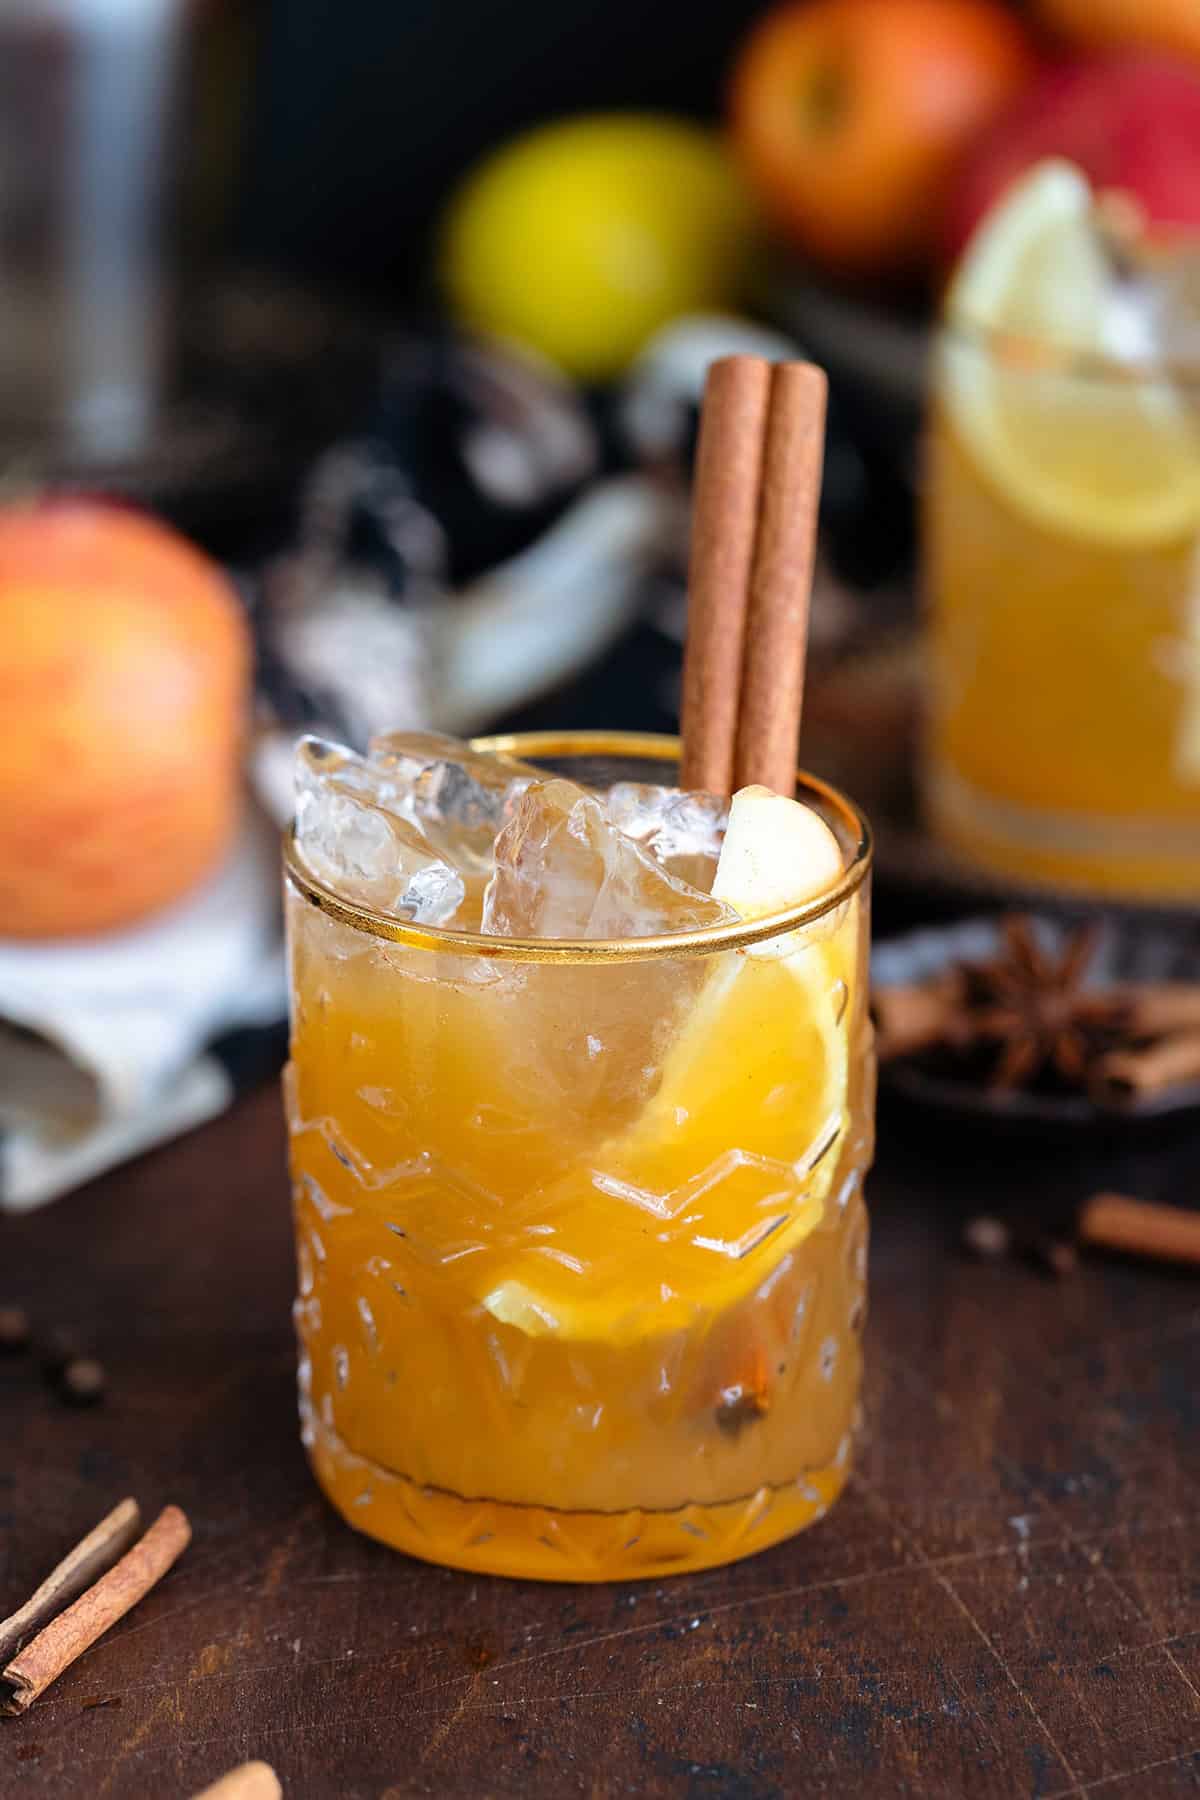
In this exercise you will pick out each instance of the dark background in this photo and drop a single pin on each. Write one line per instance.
(367, 110)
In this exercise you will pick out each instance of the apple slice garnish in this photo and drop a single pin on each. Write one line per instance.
(777, 853)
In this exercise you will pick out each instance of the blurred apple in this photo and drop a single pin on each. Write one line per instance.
(123, 688)
(849, 115)
(1130, 123)
(1170, 25)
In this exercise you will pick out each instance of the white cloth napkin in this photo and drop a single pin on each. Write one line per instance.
(103, 1042)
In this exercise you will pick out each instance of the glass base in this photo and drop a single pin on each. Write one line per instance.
(1146, 859)
(492, 1537)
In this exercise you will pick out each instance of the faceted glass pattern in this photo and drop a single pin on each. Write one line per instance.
(581, 1246)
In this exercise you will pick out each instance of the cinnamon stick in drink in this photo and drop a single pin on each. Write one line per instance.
(58, 1645)
(91, 1558)
(1125, 1075)
(781, 581)
(729, 466)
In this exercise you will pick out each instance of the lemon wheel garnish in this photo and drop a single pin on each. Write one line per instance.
(731, 1046)
(1030, 378)
(740, 1138)
(729, 1163)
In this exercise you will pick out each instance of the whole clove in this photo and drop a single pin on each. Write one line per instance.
(14, 1329)
(1054, 1256)
(41, 1659)
(987, 1239)
(84, 1381)
(58, 1347)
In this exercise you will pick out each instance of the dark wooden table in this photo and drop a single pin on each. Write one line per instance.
(1006, 1602)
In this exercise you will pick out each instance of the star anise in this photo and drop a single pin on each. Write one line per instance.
(1034, 1007)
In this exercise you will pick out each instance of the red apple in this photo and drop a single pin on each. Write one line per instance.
(1130, 122)
(848, 116)
(124, 677)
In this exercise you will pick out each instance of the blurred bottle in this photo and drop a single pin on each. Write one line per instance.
(94, 166)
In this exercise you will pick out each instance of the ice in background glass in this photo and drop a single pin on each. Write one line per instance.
(1062, 550)
(580, 1232)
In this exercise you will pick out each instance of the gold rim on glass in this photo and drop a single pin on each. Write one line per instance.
(633, 747)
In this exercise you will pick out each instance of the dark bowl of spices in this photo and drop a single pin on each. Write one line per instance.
(1040, 1022)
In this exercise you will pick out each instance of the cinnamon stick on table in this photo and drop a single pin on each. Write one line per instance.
(1159, 1007)
(1140, 1228)
(758, 478)
(249, 1781)
(910, 1018)
(66, 1637)
(90, 1558)
(1134, 1074)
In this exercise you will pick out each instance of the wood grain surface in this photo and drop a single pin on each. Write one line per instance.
(1006, 1602)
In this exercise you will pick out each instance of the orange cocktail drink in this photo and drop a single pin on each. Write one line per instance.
(577, 1169)
(1062, 536)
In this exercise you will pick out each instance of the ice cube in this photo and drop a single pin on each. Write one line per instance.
(562, 870)
(457, 797)
(683, 831)
(353, 839)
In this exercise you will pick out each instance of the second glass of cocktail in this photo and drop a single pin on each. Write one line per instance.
(1062, 538)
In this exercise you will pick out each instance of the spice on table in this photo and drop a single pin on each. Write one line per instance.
(58, 1347)
(83, 1381)
(909, 1019)
(988, 1239)
(14, 1328)
(43, 1659)
(250, 1781)
(1140, 1228)
(1054, 1256)
(94, 1554)
(1027, 1019)
(996, 1240)
(1030, 1005)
